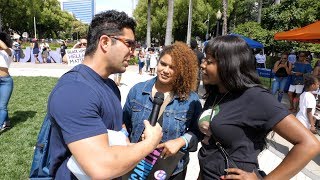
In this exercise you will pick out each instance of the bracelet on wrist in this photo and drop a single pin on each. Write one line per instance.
(186, 141)
(125, 132)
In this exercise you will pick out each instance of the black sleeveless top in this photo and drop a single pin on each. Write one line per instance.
(282, 71)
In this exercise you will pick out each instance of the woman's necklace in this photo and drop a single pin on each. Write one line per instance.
(215, 104)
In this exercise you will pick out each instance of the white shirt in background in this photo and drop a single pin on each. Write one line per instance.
(261, 58)
(307, 100)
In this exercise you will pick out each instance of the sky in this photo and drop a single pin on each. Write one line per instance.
(120, 5)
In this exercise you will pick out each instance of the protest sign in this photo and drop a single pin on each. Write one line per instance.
(75, 56)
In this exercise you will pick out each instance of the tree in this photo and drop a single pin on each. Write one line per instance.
(225, 13)
(149, 24)
(168, 38)
(50, 20)
(189, 22)
(159, 12)
(259, 11)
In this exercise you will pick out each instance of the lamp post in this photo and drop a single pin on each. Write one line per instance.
(218, 16)
(207, 21)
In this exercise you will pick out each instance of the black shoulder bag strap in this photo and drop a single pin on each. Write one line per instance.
(228, 160)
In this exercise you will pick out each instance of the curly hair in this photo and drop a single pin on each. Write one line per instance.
(108, 23)
(185, 65)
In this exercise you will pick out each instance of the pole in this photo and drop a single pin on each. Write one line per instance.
(217, 33)
(0, 23)
(34, 26)
(189, 23)
(207, 35)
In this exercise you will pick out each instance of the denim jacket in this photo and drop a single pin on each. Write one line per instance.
(179, 117)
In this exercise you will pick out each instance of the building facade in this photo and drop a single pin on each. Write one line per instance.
(83, 10)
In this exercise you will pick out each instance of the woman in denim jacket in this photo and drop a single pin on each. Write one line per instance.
(177, 78)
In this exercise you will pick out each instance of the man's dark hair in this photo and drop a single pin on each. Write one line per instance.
(109, 23)
(6, 39)
(193, 44)
(235, 62)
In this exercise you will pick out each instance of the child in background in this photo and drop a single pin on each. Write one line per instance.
(308, 103)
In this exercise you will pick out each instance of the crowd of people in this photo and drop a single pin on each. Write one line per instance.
(232, 126)
(294, 74)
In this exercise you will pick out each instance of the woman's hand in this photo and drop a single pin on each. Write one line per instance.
(313, 129)
(171, 147)
(205, 128)
(235, 173)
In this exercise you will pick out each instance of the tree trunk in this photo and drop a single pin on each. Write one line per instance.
(149, 24)
(259, 11)
(225, 12)
(189, 23)
(168, 38)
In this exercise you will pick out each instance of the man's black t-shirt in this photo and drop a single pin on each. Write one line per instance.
(240, 123)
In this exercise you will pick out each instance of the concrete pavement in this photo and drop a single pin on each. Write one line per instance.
(268, 159)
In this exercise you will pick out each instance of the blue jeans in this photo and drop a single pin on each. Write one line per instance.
(279, 84)
(17, 55)
(6, 87)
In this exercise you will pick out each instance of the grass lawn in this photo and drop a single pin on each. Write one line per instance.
(27, 108)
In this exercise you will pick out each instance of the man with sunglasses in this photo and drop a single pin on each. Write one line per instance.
(81, 44)
(85, 105)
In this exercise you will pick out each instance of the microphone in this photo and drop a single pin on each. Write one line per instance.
(157, 102)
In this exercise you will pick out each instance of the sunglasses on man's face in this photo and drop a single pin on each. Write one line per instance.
(83, 44)
(131, 44)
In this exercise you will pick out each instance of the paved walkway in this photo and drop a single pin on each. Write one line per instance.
(268, 159)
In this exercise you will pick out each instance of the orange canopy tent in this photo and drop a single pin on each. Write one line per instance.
(309, 33)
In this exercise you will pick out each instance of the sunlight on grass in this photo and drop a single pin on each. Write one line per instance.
(27, 108)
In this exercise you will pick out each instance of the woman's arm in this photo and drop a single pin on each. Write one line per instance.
(5, 48)
(288, 68)
(306, 147)
(276, 66)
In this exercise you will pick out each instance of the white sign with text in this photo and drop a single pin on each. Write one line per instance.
(75, 56)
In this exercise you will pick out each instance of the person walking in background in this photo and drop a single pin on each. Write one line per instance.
(6, 81)
(300, 68)
(117, 78)
(261, 59)
(308, 103)
(142, 60)
(85, 105)
(200, 56)
(292, 58)
(63, 48)
(153, 61)
(282, 69)
(16, 46)
(35, 50)
(176, 77)
(148, 58)
(239, 113)
(44, 49)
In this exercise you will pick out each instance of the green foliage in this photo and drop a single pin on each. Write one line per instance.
(290, 14)
(51, 22)
(159, 10)
(134, 60)
(27, 108)
(254, 31)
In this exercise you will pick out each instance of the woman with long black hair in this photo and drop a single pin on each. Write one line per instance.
(239, 113)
